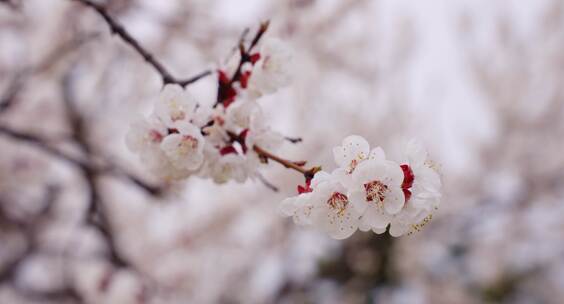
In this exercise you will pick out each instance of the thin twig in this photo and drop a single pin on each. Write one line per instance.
(43, 145)
(224, 89)
(61, 51)
(97, 214)
(246, 52)
(297, 166)
(267, 183)
(29, 228)
(265, 155)
(110, 168)
(118, 29)
(9, 97)
(293, 140)
(11, 4)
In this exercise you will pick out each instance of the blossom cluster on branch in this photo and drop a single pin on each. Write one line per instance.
(183, 137)
(368, 192)
(229, 141)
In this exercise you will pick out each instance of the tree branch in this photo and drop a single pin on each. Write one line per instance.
(297, 166)
(224, 89)
(293, 140)
(118, 29)
(110, 168)
(267, 183)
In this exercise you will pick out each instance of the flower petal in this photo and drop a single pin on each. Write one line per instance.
(353, 147)
(341, 175)
(376, 218)
(416, 154)
(319, 178)
(363, 225)
(377, 154)
(369, 170)
(288, 206)
(346, 225)
(398, 229)
(394, 174)
(379, 230)
(394, 201)
(358, 201)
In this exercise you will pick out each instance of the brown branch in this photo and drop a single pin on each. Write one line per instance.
(297, 166)
(246, 53)
(97, 217)
(46, 147)
(29, 228)
(9, 97)
(223, 89)
(63, 295)
(43, 145)
(118, 29)
(89, 171)
(265, 156)
(11, 4)
(97, 214)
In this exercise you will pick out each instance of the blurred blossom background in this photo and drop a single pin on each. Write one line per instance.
(479, 82)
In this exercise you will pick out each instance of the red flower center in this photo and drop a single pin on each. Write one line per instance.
(375, 190)
(338, 201)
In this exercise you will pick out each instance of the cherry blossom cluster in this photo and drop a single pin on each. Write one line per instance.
(229, 141)
(183, 137)
(368, 192)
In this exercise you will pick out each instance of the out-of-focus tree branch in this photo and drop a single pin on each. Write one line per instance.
(97, 214)
(13, 4)
(225, 88)
(9, 97)
(42, 145)
(108, 168)
(118, 29)
(29, 228)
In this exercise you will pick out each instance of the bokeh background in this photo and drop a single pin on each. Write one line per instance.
(480, 82)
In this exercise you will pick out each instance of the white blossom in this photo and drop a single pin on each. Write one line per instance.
(145, 137)
(185, 148)
(422, 188)
(145, 134)
(369, 192)
(354, 149)
(216, 132)
(238, 115)
(260, 133)
(299, 207)
(333, 212)
(167, 142)
(175, 104)
(325, 207)
(274, 69)
(159, 164)
(223, 168)
(409, 220)
(426, 180)
(377, 192)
